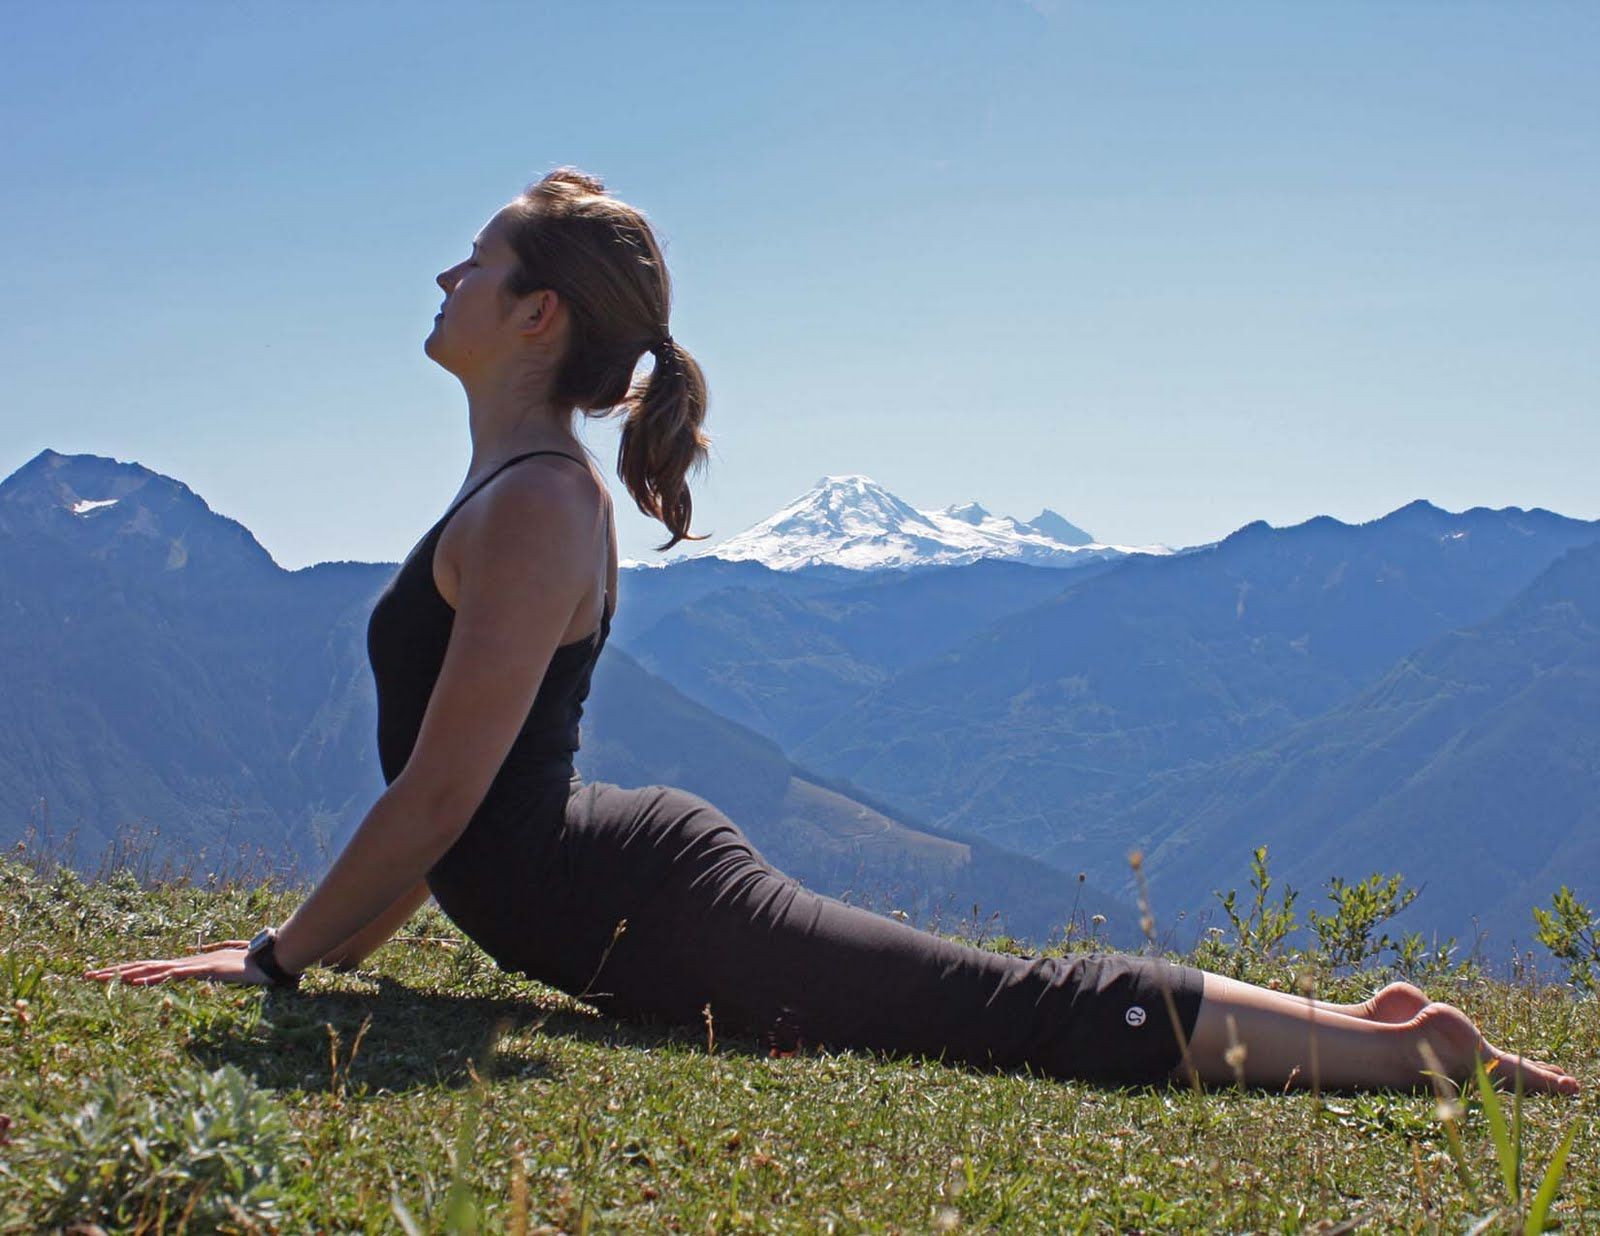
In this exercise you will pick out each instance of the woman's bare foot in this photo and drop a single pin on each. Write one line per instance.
(1458, 1043)
(1391, 1005)
(1256, 1036)
(1395, 1003)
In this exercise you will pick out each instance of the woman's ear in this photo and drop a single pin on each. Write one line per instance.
(538, 314)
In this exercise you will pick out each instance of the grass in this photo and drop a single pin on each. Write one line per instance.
(431, 1092)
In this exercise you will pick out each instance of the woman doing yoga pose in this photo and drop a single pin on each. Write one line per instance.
(482, 647)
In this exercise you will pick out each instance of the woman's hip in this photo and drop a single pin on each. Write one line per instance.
(543, 889)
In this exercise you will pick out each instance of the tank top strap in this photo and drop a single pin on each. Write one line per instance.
(501, 468)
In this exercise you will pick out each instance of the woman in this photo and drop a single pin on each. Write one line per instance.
(482, 648)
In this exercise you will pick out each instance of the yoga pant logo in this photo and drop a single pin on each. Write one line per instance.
(1134, 1016)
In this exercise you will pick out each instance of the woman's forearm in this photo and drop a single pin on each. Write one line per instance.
(386, 858)
(375, 934)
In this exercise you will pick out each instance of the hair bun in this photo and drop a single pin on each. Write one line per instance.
(571, 176)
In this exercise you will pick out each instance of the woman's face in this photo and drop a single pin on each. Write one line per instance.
(473, 326)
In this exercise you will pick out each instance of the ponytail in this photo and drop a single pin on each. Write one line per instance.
(662, 439)
(600, 255)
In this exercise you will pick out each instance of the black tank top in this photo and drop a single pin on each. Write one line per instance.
(406, 640)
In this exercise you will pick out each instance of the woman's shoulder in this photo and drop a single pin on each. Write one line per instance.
(534, 515)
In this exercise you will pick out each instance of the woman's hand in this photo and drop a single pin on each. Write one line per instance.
(226, 963)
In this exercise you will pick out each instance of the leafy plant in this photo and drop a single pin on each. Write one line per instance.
(1347, 936)
(208, 1149)
(1419, 959)
(1572, 934)
(1261, 930)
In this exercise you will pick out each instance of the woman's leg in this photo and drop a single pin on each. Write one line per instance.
(1288, 1040)
(711, 924)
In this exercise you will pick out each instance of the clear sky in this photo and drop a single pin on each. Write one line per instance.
(1163, 267)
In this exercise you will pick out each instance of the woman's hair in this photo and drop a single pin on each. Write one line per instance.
(600, 256)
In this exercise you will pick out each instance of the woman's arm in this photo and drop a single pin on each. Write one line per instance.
(524, 566)
(365, 942)
(376, 934)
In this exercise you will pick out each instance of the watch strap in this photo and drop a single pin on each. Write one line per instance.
(263, 953)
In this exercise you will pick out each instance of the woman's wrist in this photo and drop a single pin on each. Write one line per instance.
(286, 954)
(262, 957)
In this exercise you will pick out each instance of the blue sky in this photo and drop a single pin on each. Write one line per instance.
(1165, 268)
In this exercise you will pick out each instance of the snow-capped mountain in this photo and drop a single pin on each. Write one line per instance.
(851, 521)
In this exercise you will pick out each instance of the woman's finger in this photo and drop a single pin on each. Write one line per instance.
(151, 977)
(126, 973)
(225, 965)
(146, 973)
(107, 971)
(125, 969)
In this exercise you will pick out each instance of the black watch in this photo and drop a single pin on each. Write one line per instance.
(263, 953)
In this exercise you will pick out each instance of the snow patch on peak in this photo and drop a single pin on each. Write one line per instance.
(855, 479)
(967, 513)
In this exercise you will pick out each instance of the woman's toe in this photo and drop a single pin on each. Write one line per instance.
(1536, 1075)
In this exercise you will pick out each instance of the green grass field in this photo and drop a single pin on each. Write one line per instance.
(430, 1092)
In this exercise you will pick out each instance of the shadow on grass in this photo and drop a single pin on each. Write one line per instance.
(397, 1039)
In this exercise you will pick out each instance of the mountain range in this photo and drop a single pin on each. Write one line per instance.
(1473, 764)
(1419, 693)
(1045, 710)
(1030, 730)
(162, 671)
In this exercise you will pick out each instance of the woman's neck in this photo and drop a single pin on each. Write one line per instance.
(497, 436)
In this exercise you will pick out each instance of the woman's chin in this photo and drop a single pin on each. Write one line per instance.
(438, 355)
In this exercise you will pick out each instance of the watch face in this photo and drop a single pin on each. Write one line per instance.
(261, 938)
